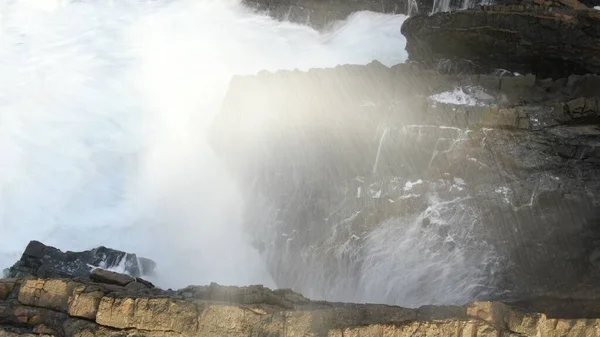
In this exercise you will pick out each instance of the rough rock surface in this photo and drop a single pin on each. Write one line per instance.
(63, 307)
(39, 260)
(547, 38)
(359, 182)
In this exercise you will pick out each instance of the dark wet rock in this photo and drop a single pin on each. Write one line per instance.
(347, 170)
(39, 260)
(109, 277)
(550, 39)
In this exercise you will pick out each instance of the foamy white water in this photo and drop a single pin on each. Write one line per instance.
(470, 96)
(104, 110)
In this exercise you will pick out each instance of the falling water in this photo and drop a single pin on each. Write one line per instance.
(104, 108)
(379, 149)
(413, 7)
(440, 6)
(450, 5)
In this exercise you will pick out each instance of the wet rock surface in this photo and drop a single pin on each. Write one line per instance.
(547, 38)
(361, 185)
(40, 260)
(64, 307)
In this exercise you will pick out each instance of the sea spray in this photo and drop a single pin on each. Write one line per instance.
(104, 108)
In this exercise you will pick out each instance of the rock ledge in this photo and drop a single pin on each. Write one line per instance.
(65, 307)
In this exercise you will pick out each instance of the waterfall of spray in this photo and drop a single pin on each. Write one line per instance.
(429, 258)
(104, 108)
(379, 149)
(413, 7)
(449, 5)
(440, 6)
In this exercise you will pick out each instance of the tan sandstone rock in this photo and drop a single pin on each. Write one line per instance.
(6, 288)
(64, 308)
(84, 305)
(51, 294)
(160, 314)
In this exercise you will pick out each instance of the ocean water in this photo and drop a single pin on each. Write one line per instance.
(104, 112)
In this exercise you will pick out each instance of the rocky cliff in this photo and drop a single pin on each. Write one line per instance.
(79, 308)
(547, 38)
(367, 183)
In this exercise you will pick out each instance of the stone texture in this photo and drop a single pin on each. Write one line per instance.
(84, 304)
(6, 288)
(160, 314)
(188, 312)
(547, 39)
(52, 294)
(109, 277)
(39, 260)
(327, 159)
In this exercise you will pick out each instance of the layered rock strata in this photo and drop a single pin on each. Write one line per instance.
(63, 307)
(547, 38)
(366, 183)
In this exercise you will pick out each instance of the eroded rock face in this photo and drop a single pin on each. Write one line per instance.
(39, 260)
(62, 307)
(362, 187)
(547, 38)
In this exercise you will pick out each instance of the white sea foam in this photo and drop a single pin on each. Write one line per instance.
(104, 108)
(471, 96)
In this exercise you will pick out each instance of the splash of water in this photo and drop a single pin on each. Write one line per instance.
(440, 6)
(413, 7)
(104, 108)
(469, 95)
(381, 139)
(428, 258)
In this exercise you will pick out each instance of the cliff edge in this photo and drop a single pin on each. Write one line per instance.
(82, 308)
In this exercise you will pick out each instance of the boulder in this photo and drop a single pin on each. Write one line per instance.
(549, 39)
(109, 277)
(39, 260)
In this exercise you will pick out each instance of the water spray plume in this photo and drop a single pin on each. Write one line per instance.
(105, 110)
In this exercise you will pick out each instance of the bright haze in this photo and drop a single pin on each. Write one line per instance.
(104, 111)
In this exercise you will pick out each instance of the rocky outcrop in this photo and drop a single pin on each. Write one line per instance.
(365, 183)
(547, 38)
(63, 307)
(39, 260)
